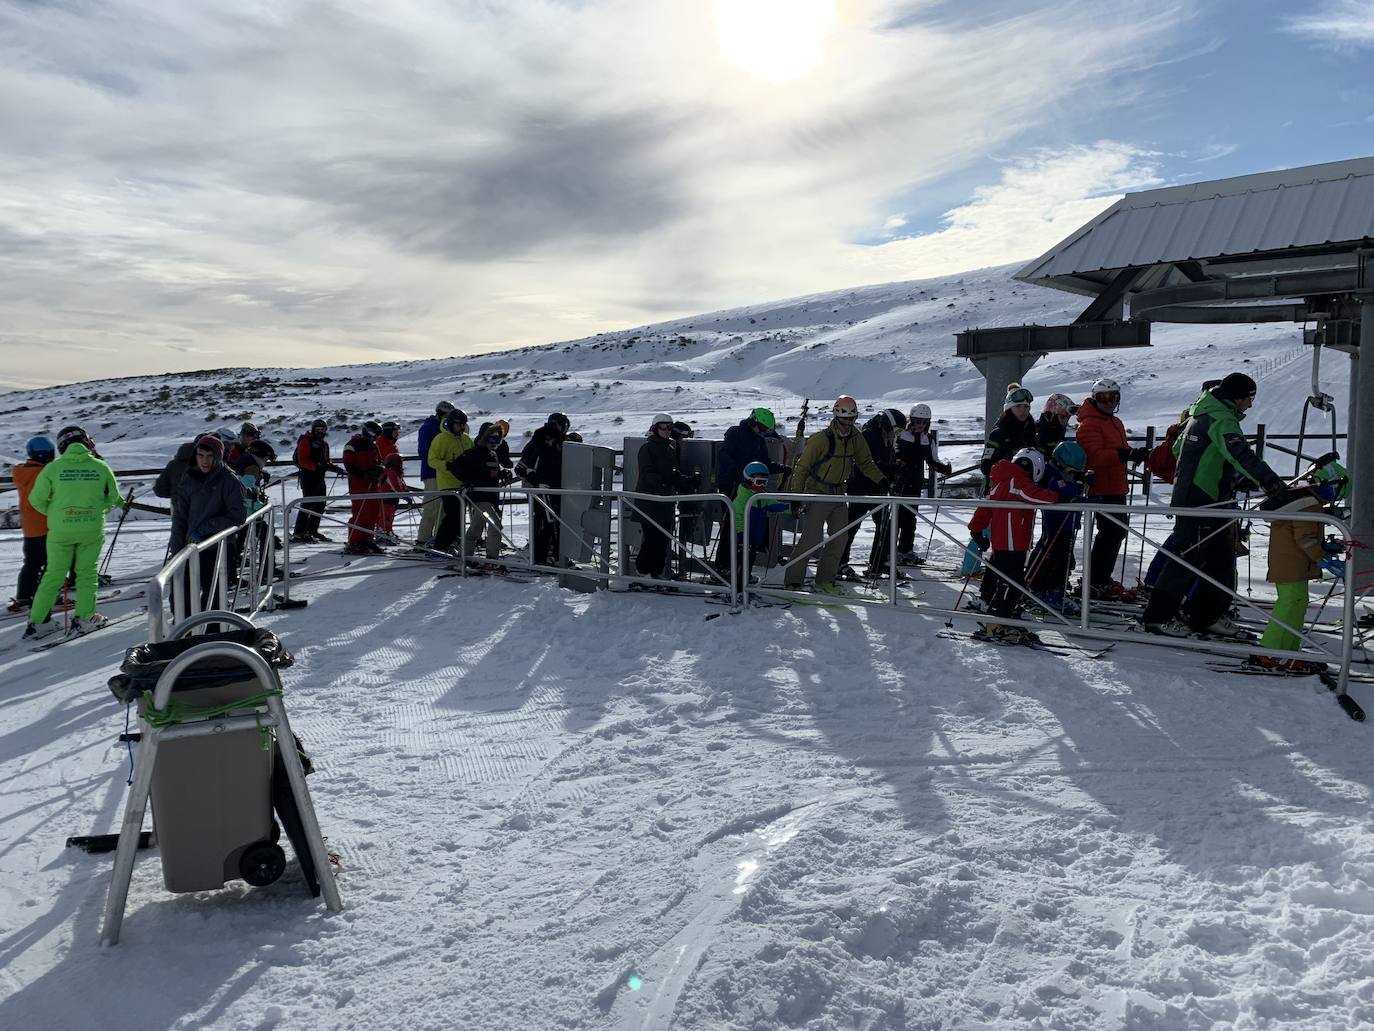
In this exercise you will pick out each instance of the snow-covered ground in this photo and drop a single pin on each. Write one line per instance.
(608, 811)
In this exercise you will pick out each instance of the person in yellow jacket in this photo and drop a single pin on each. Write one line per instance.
(451, 442)
(74, 493)
(824, 466)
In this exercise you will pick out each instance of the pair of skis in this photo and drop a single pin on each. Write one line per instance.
(1067, 650)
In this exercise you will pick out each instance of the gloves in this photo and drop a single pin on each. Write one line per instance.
(521, 470)
(1333, 546)
(1334, 566)
(1139, 454)
(1123, 453)
(977, 543)
(945, 469)
(336, 469)
(1087, 477)
(375, 475)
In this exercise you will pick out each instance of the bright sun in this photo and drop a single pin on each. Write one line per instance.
(773, 39)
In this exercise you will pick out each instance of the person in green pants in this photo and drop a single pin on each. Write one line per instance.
(1297, 555)
(74, 492)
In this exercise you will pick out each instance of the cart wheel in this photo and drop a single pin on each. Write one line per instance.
(262, 864)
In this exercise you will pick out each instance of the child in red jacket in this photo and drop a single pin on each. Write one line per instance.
(1010, 530)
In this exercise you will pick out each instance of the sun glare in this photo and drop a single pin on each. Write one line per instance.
(773, 39)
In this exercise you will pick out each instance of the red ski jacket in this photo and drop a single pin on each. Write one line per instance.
(1101, 436)
(364, 464)
(1012, 528)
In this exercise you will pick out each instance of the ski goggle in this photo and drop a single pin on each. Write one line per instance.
(492, 439)
(846, 416)
(1020, 397)
(759, 481)
(917, 420)
(1108, 395)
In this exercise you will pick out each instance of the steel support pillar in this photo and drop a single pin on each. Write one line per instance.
(1361, 459)
(999, 370)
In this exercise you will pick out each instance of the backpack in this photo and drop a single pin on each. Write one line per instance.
(1162, 463)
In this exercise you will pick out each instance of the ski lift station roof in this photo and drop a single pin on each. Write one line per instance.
(1297, 219)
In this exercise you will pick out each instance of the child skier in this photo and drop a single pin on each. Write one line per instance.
(75, 492)
(755, 479)
(33, 524)
(1009, 531)
(1048, 564)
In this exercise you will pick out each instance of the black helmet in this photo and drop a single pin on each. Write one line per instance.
(574, 438)
(681, 430)
(69, 435)
(371, 430)
(262, 449)
(895, 419)
(559, 421)
(391, 426)
(248, 429)
(319, 424)
(455, 420)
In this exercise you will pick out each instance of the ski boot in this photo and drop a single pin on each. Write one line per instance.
(19, 605)
(1293, 667)
(80, 627)
(41, 630)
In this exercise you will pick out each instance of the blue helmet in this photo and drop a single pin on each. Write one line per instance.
(1070, 455)
(41, 449)
(755, 471)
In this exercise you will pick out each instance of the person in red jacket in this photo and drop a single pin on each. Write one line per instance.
(1010, 531)
(312, 459)
(393, 474)
(363, 461)
(1102, 436)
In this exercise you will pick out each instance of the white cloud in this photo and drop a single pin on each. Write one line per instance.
(1337, 24)
(313, 181)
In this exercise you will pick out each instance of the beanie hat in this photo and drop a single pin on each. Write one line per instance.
(211, 443)
(1234, 387)
(1017, 395)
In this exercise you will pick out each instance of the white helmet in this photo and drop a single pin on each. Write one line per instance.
(1036, 460)
(1106, 386)
(845, 407)
(659, 420)
(920, 411)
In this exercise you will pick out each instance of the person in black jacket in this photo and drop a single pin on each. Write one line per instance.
(541, 465)
(165, 486)
(209, 499)
(1014, 431)
(747, 442)
(880, 433)
(659, 473)
(480, 469)
(918, 451)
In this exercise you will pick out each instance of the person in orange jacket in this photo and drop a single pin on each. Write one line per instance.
(33, 524)
(363, 461)
(1010, 531)
(1102, 436)
(393, 473)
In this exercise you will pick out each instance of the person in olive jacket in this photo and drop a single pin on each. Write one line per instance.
(209, 499)
(659, 473)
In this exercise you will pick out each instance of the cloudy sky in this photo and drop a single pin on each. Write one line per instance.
(273, 182)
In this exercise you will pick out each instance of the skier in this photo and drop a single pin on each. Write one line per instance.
(312, 459)
(390, 451)
(209, 499)
(1054, 421)
(32, 523)
(1211, 452)
(917, 449)
(755, 535)
(1102, 435)
(74, 492)
(1048, 565)
(1014, 430)
(444, 452)
(824, 468)
(659, 464)
(1009, 531)
(363, 461)
(429, 515)
(1298, 555)
(479, 467)
(238, 447)
(541, 465)
(745, 442)
(880, 434)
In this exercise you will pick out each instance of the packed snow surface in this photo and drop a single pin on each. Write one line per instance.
(559, 810)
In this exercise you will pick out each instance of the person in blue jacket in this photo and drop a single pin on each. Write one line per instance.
(747, 442)
(1048, 565)
(429, 515)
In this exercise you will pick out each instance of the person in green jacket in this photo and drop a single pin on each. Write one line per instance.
(75, 492)
(444, 451)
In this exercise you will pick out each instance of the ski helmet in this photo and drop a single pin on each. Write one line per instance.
(70, 435)
(319, 424)
(505, 427)
(764, 418)
(1235, 387)
(1070, 455)
(1032, 461)
(391, 428)
(1016, 395)
(40, 449)
(894, 418)
(1060, 404)
(1332, 481)
(455, 420)
(756, 474)
(560, 422)
(845, 407)
(919, 411)
(443, 408)
(573, 438)
(659, 421)
(681, 431)
(371, 430)
(1107, 394)
(262, 449)
(248, 429)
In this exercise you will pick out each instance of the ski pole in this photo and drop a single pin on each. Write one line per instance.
(960, 600)
(104, 566)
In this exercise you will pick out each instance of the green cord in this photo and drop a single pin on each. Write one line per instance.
(175, 713)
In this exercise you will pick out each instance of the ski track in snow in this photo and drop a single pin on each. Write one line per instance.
(603, 812)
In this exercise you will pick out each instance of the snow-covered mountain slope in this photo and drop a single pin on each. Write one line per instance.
(889, 345)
